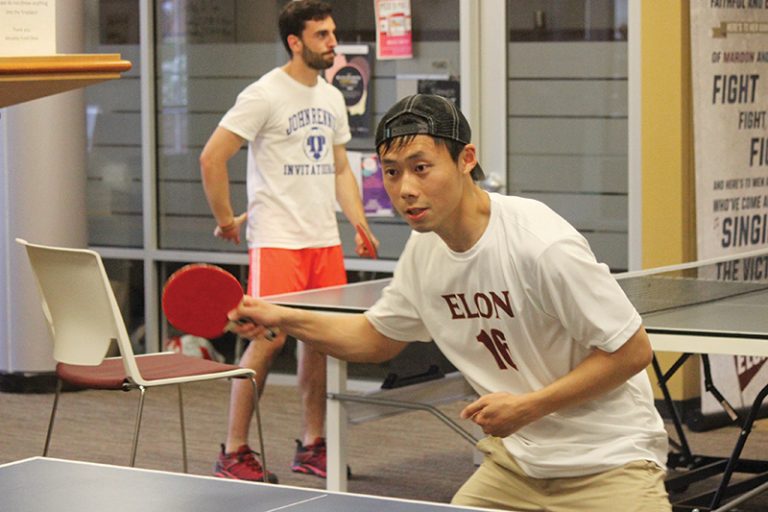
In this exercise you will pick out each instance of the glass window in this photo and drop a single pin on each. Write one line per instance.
(127, 280)
(113, 124)
(209, 50)
(567, 107)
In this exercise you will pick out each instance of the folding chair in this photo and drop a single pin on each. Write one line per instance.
(84, 319)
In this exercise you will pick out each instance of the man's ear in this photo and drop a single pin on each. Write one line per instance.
(294, 43)
(468, 158)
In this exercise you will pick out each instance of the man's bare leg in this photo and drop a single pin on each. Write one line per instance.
(258, 355)
(311, 374)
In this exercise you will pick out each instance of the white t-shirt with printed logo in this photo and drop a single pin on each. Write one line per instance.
(517, 311)
(291, 130)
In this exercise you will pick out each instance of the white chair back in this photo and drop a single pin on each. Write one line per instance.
(79, 305)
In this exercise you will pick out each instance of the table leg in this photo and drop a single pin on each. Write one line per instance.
(336, 426)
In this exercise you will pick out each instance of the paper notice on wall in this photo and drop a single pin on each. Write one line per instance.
(27, 27)
(355, 159)
(394, 38)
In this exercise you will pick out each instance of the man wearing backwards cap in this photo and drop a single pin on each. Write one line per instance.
(513, 296)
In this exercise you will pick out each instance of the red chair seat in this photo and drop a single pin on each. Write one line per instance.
(110, 374)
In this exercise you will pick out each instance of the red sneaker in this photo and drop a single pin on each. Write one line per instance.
(241, 465)
(310, 459)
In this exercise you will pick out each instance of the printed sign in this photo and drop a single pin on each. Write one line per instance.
(27, 28)
(394, 38)
(729, 52)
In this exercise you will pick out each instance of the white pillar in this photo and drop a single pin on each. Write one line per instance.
(42, 199)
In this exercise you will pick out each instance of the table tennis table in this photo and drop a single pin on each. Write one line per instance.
(704, 308)
(41, 484)
(732, 322)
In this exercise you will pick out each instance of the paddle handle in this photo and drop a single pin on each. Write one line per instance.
(272, 332)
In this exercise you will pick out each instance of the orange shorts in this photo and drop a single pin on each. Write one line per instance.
(274, 270)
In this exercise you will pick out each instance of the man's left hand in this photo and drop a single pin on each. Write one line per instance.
(501, 414)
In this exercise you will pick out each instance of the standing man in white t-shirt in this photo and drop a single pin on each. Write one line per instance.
(513, 296)
(296, 127)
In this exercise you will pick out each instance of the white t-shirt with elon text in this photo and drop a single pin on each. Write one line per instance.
(517, 311)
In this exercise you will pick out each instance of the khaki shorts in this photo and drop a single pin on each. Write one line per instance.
(499, 483)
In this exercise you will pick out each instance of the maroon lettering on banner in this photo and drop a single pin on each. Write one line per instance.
(747, 367)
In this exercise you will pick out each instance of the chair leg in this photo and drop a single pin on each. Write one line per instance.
(183, 430)
(258, 427)
(137, 426)
(53, 416)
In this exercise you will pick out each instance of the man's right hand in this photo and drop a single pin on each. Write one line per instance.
(261, 317)
(232, 231)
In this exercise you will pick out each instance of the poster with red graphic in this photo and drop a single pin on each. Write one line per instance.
(351, 74)
(394, 38)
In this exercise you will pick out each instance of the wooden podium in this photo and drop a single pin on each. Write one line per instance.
(28, 78)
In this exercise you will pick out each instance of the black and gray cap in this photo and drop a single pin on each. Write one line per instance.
(426, 114)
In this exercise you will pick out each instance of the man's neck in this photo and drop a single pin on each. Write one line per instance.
(472, 220)
(299, 71)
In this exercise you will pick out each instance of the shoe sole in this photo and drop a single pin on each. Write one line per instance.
(230, 476)
(307, 469)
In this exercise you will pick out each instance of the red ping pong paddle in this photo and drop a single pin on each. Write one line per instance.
(366, 236)
(197, 297)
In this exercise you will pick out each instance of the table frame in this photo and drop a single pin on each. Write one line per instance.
(700, 467)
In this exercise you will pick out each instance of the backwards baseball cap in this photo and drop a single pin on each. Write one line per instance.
(426, 114)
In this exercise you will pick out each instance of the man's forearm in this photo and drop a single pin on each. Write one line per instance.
(216, 191)
(220, 148)
(348, 193)
(598, 374)
(348, 197)
(502, 413)
(346, 336)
